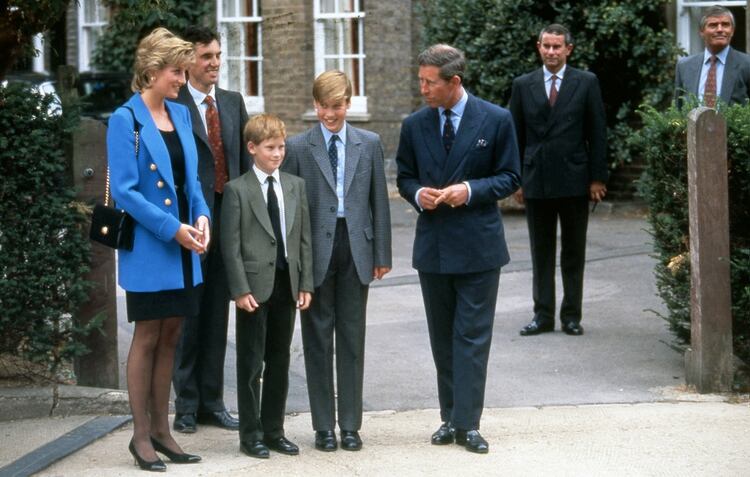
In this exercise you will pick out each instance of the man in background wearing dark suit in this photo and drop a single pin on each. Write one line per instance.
(218, 117)
(719, 73)
(456, 158)
(562, 131)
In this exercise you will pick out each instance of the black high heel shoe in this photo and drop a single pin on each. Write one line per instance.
(152, 466)
(175, 457)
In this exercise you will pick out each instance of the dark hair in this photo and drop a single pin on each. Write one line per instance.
(715, 11)
(557, 29)
(449, 59)
(200, 34)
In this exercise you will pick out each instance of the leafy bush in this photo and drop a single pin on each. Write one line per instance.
(115, 49)
(663, 143)
(43, 251)
(626, 44)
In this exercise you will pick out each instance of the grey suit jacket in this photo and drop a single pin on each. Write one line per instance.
(563, 148)
(248, 243)
(735, 85)
(368, 217)
(232, 116)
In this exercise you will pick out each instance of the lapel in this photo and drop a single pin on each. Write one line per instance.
(257, 202)
(539, 93)
(468, 130)
(320, 155)
(290, 202)
(434, 142)
(565, 94)
(693, 73)
(151, 140)
(730, 72)
(188, 144)
(227, 114)
(199, 130)
(352, 155)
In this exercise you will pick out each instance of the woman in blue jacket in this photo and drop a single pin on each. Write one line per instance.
(159, 188)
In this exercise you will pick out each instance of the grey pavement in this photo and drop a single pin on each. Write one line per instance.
(611, 402)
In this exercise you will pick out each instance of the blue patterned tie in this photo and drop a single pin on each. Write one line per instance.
(333, 156)
(449, 134)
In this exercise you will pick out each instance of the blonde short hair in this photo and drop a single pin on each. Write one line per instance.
(159, 49)
(332, 87)
(263, 126)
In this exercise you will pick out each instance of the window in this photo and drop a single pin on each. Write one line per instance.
(93, 16)
(339, 44)
(240, 28)
(689, 13)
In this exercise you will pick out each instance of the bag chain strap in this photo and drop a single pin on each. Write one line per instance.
(106, 184)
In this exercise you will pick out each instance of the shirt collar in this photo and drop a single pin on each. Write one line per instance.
(262, 176)
(200, 96)
(457, 109)
(548, 73)
(328, 134)
(722, 55)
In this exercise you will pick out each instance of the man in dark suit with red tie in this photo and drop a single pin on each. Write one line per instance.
(561, 129)
(218, 117)
(456, 158)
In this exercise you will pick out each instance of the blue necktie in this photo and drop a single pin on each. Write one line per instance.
(449, 134)
(333, 156)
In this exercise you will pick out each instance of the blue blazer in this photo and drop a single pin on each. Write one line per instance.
(145, 188)
(471, 238)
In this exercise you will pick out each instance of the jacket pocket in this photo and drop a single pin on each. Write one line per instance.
(251, 267)
(369, 234)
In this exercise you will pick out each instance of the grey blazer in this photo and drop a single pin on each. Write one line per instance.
(232, 116)
(248, 243)
(368, 216)
(735, 85)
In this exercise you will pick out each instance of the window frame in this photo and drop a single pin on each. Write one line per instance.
(85, 50)
(359, 97)
(253, 104)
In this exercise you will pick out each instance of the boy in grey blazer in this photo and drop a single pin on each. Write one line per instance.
(265, 242)
(344, 174)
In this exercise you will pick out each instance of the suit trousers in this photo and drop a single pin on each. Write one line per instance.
(263, 338)
(542, 216)
(460, 312)
(338, 309)
(198, 375)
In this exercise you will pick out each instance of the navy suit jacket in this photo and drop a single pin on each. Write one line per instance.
(470, 238)
(563, 148)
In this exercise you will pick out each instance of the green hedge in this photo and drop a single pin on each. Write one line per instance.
(44, 253)
(626, 44)
(662, 142)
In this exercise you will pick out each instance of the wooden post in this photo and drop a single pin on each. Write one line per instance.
(100, 367)
(709, 360)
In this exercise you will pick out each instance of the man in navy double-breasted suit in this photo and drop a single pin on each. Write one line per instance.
(456, 158)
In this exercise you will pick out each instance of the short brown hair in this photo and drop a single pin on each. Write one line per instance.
(159, 49)
(331, 87)
(449, 59)
(263, 126)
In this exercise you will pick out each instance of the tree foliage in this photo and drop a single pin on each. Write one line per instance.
(625, 43)
(133, 18)
(662, 142)
(20, 20)
(44, 253)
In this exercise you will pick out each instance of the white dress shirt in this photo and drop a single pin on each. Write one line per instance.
(548, 79)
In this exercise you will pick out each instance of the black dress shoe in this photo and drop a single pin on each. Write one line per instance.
(444, 435)
(535, 328)
(281, 444)
(219, 419)
(326, 441)
(472, 440)
(176, 457)
(573, 328)
(184, 423)
(150, 465)
(255, 449)
(351, 441)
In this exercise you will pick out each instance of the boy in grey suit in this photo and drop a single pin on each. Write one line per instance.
(344, 174)
(265, 241)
